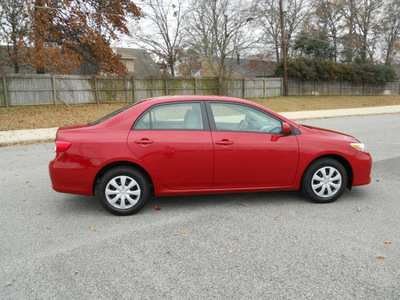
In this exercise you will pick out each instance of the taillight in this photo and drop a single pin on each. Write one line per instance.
(62, 146)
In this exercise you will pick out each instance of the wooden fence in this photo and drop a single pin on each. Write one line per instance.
(341, 88)
(32, 89)
(46, 89)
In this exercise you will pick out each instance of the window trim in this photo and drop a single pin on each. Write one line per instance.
(113, 114)
(204, 116)
(214, 126)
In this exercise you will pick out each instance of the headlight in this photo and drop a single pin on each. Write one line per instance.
(359, 146)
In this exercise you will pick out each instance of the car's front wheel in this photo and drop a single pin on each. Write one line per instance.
(123, 191)
(324, 180)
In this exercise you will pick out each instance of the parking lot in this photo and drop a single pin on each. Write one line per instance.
(274, 245)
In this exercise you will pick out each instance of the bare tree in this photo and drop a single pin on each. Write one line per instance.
(330, 19)
(268, 15)
(391, 28)
(164, 33)
(13, 33)
(348, 36)
(220, 31)
(367, 20)
(189, 63)
(362, 28)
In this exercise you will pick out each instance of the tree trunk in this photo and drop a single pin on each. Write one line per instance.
(172, 69)
(16, 68)
(39, 39)
(277, 52)
(388, 52)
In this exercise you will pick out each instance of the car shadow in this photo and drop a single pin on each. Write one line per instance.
(81, 205)
(88, 205)
(213, 200)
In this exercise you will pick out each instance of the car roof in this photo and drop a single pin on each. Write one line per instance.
(163, 99)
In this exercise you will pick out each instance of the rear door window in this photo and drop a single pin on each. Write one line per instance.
(175, 116)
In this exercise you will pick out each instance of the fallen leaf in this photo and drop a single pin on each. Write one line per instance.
(378, 180)
(93, 228)
(25, 200)
(38, 213)
(345, 255)
(27, 181)
(167, 253)
(359, 209)
(368, 207)
(181, 233)
(387, 242)
(101, 209)
(380, 257)
(49, 228)
(364, 266)
(277, 218)
(157, 208)
(231, 250)
(8, 283)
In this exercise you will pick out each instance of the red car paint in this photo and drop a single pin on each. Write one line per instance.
(183, 162)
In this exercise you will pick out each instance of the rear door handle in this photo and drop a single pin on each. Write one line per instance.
(144, 141)
(224, 142)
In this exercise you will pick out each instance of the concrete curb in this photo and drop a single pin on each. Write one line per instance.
(345, 112)
(45, 134)
(28, 135)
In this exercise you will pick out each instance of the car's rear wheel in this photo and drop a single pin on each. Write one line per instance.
(324, 180)
(123, 191)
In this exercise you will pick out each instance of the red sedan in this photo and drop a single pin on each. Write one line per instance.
(181, 145)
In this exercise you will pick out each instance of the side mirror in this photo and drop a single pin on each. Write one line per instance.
(286, 128)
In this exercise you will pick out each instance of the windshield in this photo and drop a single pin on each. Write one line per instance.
(110, 115)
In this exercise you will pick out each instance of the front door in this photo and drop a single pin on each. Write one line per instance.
(250, 150)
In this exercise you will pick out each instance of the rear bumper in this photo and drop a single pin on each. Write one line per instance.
(72, 178)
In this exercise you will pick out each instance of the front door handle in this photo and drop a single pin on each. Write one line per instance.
(144, 141)
(224, 142)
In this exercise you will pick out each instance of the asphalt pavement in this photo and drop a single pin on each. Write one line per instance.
(274, 245)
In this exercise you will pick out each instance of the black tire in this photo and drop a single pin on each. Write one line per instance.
(324, 180)
(128, 191)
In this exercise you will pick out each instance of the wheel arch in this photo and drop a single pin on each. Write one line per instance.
(346, 164)
(121, 164)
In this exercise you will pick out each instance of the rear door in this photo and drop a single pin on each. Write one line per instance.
(174, 140)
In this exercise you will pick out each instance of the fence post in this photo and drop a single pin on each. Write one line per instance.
(5, 91)
(133, 89)
(243, 86)
(53, 85)
(96, 91)
(340, 88)
(264, 87)
(314, 89)
(166, 87)
(195, 86)
(299, 89)
(126, 89)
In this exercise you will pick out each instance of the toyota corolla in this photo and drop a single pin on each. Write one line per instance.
(182, 145)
